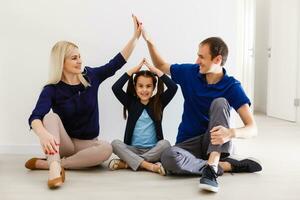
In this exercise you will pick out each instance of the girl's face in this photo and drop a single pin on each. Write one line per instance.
(72, 64)
(144, 88)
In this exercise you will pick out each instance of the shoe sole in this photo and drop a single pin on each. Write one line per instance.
(56, 185)
(161, 169)
(208, 187)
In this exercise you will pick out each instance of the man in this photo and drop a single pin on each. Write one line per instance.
(204, 137)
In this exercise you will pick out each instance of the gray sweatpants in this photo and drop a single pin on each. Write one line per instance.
(134, 156)
(190, 156)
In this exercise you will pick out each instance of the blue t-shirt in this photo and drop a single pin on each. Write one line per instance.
(198, 96)
(76, 105)
(144, 135)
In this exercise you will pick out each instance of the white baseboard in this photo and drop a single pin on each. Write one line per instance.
(33, 149)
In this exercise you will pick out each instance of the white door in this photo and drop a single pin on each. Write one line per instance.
(249, 41)
(245, 42)
(245, 54)
(282, 67)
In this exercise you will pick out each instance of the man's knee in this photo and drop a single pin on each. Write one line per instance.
(170, 159)
(219, 103)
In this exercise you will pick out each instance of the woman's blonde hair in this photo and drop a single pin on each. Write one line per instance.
(58, 55)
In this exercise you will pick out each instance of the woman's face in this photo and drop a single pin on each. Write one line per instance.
(72, 63)
(144, 88)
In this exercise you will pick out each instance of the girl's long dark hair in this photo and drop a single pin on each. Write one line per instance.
(154, 102)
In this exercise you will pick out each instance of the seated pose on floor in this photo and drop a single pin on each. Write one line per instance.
(143, 140)
(68, 135)
(204, 136)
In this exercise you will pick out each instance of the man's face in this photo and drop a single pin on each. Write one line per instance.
(206, 64)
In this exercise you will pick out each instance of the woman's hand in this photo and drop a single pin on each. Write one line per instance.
(137, 27)
(136, 68)
(153, 69)
(49, 143)
(127, 50)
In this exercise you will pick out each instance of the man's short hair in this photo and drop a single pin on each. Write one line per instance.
(217, 47)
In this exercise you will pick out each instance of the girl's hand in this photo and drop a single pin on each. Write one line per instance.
(136, 68)
(49, 143)
(153, 69)
(137, 27)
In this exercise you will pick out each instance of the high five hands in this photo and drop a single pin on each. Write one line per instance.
(139, 29)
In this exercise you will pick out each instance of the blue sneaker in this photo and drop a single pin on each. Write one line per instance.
(208, 181)
(246, 165)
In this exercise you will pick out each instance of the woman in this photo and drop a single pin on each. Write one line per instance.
(68, 135)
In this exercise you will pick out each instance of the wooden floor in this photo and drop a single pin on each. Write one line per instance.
(277, 147)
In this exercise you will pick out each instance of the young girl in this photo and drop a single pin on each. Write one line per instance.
(143, 141)
(69, 134)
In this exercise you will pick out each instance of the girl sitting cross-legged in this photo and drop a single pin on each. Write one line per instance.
(143, 140)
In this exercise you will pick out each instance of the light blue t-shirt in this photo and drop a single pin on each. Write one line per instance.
(144, 132)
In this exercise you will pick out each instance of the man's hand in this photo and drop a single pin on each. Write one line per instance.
(220, 135)
(145, 34)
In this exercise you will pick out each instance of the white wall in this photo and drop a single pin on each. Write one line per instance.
(298, 92)
(100, 28)
(261, 55)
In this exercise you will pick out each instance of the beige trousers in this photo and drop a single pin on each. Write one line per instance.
(75, 153)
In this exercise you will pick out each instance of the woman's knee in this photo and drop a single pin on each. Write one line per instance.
(66, 151)
(104, 150)
(50, 117)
